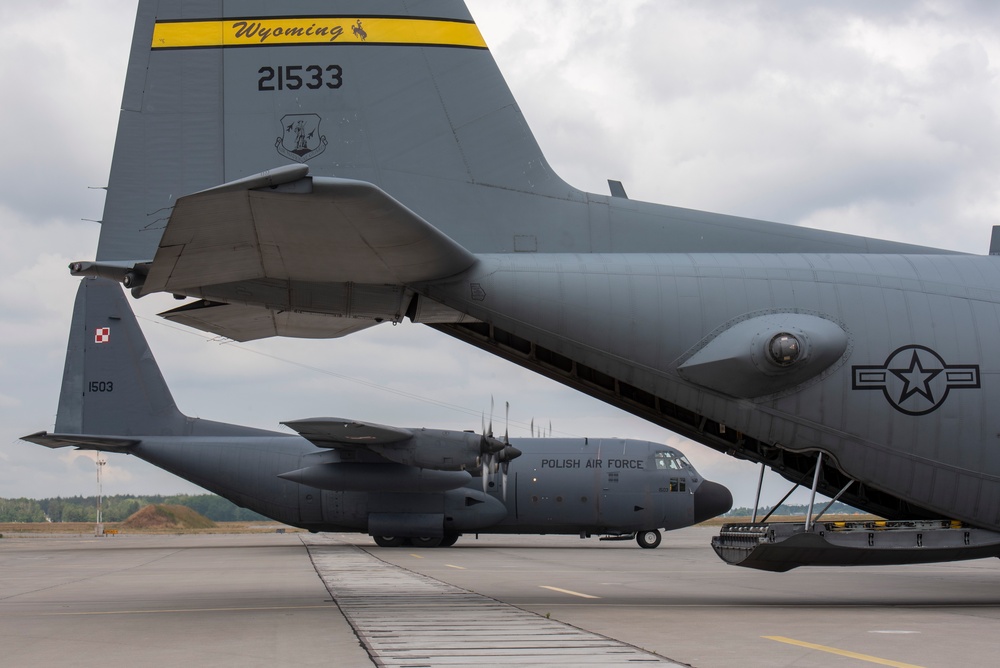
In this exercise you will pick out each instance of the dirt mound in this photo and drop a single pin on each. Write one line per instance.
(158, 516)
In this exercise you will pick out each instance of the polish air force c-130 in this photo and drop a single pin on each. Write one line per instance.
(309, 169)
(401, 486)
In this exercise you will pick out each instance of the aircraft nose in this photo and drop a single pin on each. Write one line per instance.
(711, 499)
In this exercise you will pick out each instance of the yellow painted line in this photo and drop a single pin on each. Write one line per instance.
(416, 556)
(567, 591)
(178, 610)
(315, 30)
(461, 568)
(841, 652)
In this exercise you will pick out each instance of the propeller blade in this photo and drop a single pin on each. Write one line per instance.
(489, 433)
(506, 427)
(494, 454)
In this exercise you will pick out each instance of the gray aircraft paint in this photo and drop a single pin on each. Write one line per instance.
(608, 295)
(666, 316)
(115, 399)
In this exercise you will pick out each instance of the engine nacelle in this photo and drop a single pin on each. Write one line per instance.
(436, 449)
(360, 477)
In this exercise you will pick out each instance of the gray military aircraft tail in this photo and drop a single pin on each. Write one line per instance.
(313, 169)
(422, 485)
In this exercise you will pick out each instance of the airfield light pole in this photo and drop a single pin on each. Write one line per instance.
(99, 529)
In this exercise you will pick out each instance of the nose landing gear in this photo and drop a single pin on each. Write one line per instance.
(648, 539)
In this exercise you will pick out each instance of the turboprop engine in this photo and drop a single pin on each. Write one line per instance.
(434, 449)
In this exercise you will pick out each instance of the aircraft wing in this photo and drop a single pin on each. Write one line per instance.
(81, 441)
(243, 322)
(317, 230)
(335, 432)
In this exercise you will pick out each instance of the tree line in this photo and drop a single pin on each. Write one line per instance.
(118, 508)
(837, 508)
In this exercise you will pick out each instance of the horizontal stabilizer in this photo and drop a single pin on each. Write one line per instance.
(335, 432)
(320, 230)
(241, 322)
(81, 441)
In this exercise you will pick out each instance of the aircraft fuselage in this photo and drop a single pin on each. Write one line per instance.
(900, 397)
(568, 486)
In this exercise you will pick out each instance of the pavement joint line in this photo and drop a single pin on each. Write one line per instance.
(567, 591)
(841, 652)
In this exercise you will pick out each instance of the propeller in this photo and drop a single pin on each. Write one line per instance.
(495, 454)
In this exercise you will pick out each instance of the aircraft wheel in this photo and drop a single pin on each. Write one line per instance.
(648, 539)
(427, 541)
(389, 541)
(449, 539)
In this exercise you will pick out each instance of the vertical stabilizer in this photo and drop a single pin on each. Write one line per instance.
(400, 93)
(111, 383)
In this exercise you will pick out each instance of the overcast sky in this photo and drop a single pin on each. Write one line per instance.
(872, 118)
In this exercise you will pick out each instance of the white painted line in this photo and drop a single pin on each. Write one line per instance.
(567, 591)
(893, 632)
(461, 568)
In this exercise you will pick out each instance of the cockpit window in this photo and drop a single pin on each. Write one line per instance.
(670, 461)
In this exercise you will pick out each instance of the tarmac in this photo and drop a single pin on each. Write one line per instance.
(301, 600)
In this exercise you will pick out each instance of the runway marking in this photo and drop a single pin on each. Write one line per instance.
(894, 632)
(461, 568)
(177, 610)
(841, 652)
(416, 556)
(567, 591)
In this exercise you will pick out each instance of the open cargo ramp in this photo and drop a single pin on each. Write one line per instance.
(782, 546)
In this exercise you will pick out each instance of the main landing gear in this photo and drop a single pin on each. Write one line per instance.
(428, 541)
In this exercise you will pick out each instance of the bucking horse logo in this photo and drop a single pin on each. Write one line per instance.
(359, 32)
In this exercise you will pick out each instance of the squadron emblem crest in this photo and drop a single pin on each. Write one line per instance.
(300, 139)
